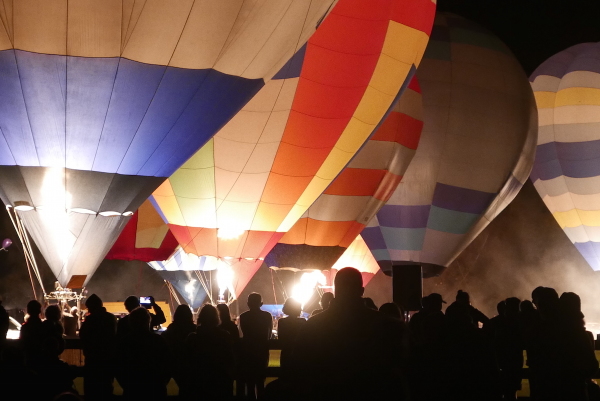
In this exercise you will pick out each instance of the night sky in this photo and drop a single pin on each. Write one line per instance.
(521, 249)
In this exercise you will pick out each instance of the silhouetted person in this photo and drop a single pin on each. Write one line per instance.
(211, 352)
(288, 329)
(463, 302)
(71, 322)
(325, 301)
(469, 360)
(143, 360)
(491, 325)
(226, 323)
(577, 361)
(427, 329)
(392, 310)
(256, 326)
(176, 335)
(350, 352)
(32, 335)
(229, 326)
(369, 303)
(508, 346)
(53, 327)
(98, 336)
(543, 347)
(4, 322)
(132, 302)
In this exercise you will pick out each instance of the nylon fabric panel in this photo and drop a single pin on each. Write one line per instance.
(565, 172)
(474, 154)
(76, 249)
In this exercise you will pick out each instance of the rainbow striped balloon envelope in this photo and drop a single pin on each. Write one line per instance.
(476, 149)
(566, 172)
(333, 222)
(103, 100)
(237, 196)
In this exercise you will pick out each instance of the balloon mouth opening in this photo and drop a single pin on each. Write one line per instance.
(23, 206)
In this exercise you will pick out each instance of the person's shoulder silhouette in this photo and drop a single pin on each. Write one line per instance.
(349, 350)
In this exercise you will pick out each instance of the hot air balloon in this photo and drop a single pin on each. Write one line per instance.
(236, 197)
(566, 168)
(475, 153)
(333, 222)
(103, 100)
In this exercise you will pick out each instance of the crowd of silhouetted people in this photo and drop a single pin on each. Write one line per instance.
(347, 350)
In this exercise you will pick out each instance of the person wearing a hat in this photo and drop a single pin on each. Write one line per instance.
(97, 335)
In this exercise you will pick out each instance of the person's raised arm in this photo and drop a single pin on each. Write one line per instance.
(158, 317)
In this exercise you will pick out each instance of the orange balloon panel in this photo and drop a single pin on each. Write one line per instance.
(362, 188)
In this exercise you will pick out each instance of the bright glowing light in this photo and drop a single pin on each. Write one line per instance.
(304, 290)
(189, 289)
(53, 212)
(229, 232)
(224, 278)
(82, 211)
(23, 206)
(109, 214)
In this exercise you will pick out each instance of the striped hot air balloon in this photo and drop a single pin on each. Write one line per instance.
(333, 222)
(475, 153)
(103, 100)
(566, 172)
(237, 196)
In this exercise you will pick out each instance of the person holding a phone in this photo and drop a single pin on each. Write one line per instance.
(132, 302)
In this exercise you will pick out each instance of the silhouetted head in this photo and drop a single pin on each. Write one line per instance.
(224, 313)
(292, 307)
(93, 303)
(131, 303)
(34, 308)
(512, 307)
(183, 315)
(208, 316)
(254, 301)
(326, 299)
(548, 302)
(139, 320)
(391, 309)
(434, 301)
(527, 307)
(463, 297)
(53, 313)
(501, 308)
(570, 306)
(348, 284)
(369, 303)
(535, 294)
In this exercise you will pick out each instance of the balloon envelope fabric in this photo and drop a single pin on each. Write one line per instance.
(102, 100)
(359, 256)
(237, 196)
(330, 225)
(566, 172)
(146, 237)
(475, 153)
